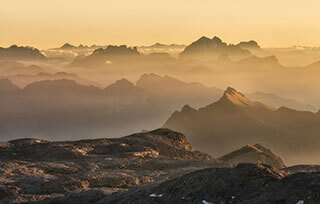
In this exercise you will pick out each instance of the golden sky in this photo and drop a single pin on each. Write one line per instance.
(51, 23)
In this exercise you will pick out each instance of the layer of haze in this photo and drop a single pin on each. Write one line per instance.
(45, 24)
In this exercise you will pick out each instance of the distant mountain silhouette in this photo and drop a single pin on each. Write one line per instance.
(55, 106)
(20, 53)
(22, 70)
(173, 49)
(174, 92)
(253, 60)
(159, 56)
(111, 54)
(277, 101)
(315, 65)
(68, 46)
(24, 79)
(161, 46)
(7, 87)
(210, 49)
(127, 92)
(236, 120)
(249, 45)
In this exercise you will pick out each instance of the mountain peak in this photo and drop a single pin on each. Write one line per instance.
(187, 108)
(232, 91)
(67, 46)
(121, 85)
(232, 96)
(204, 38)
(207, 49)
(216, 40)
(6, 85)
(124, 83)
(256, 154)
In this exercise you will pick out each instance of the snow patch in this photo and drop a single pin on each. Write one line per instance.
(153, 195)
(300, 202)
(206, 202)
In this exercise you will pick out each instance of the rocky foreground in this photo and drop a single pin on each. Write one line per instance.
(33, 170)
(246, 183)
(159, 166)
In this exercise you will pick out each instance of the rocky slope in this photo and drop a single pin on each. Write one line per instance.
(253, 154)
(33, 170)
(245, 183)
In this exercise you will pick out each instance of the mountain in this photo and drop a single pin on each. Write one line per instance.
(78, 108)
(21, 53)
(127, 92)
(249, 45)
(277, 101)
(256, 154)
(62, 108)
(89, 170)
(67, 46)
(245, 183)
(315, 65)
(174, 92)
(109, 55)
(210, 49)
(199, 70)
(159, 57)
(7, 87)
(22, 70)
(254, 60)
(236, 120)
(23, 80)
(172, 49)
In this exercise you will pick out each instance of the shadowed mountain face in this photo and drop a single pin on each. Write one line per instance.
(60, 109)
(210, 49)
(245, 183)
(256, 154)
(277, 101)
(23, 80)
(250, 45)
(109, 55)
(20, 53)
(173, 92)
(64, 109)
(235, 120)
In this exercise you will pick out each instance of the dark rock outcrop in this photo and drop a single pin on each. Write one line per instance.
(245, 183)
(256, 154)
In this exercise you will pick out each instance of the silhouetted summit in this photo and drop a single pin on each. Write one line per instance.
(117, 50)
(210, 49)
(20, 53)
(107, 56)
(249, 45)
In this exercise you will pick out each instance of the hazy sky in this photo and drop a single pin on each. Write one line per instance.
(50, 23)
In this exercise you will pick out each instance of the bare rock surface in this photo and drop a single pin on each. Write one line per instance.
(33, 170)
(246, 183)
(256, 154)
